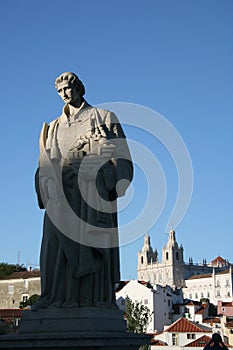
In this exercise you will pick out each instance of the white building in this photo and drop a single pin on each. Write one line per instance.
(168, 272)
(214, 286)
(18, 287)
(156, 298)
(183, 333)
(172, 270)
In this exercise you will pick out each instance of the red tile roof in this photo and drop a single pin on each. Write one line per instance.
(182, 325)
(23, 274)
(200, 276)
(202, 341)
(227, 303)
(9, 314)
(229, 324)
(157, 342)
(212, 320)
(208, 274)
(218, 259)
(193, 302)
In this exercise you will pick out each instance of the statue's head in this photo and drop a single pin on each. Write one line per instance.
(71, 79)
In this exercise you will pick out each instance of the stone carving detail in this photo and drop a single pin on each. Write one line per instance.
(84, 166)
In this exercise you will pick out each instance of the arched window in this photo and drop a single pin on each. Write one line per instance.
(177, 256)
(167, 256)
(141, 259)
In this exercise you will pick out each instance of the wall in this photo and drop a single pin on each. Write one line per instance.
(12, 291)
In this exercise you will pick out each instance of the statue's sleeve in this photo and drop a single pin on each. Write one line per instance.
(38, 191)
(119, 173)
(39, 178)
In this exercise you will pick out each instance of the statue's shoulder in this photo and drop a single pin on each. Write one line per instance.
(101, 111)
(53, 122)
(47, 128)
(107, 116)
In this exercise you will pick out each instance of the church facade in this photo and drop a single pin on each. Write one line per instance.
(172, 270)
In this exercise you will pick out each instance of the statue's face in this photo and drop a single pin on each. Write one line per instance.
(68, 92)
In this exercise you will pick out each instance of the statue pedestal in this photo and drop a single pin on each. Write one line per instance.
(74, 328)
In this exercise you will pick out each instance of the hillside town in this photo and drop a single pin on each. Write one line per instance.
(188, 302)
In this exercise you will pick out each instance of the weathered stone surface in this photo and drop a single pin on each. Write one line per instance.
(72, 320)
(74, 328)
(84, 158)
(80, 341)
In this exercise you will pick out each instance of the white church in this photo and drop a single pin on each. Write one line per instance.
(172, 270)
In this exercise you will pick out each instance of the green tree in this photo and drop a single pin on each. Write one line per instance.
(8, 269)
(33, 298)
(138, 317)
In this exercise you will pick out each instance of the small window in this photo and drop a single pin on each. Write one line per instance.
(177, 256)
(218, 293)
(141, 259)
(167, 256)
(174, 339)
(191, 336)
(10, 289)
(25, 298)
(16, 321)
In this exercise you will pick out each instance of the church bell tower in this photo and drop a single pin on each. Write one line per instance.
(173, 262)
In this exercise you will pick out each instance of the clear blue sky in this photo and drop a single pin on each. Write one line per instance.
(175, 57)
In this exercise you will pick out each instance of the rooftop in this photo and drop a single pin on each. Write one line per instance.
(23, 275)
(209, 274)
(9, 314)
(218, 259)
(212, 320)
(182, 325)
(200, 342)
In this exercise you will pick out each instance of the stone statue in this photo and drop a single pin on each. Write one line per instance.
(215, 343)
(84, 166)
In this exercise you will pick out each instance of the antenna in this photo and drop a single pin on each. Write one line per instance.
(18, 260)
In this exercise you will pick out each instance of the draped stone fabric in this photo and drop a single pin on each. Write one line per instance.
(87, 160)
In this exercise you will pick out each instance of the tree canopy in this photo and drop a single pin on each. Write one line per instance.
(33, 298)
(8, 269)
(137, 315)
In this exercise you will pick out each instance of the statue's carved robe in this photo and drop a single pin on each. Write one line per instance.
(80, 258)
